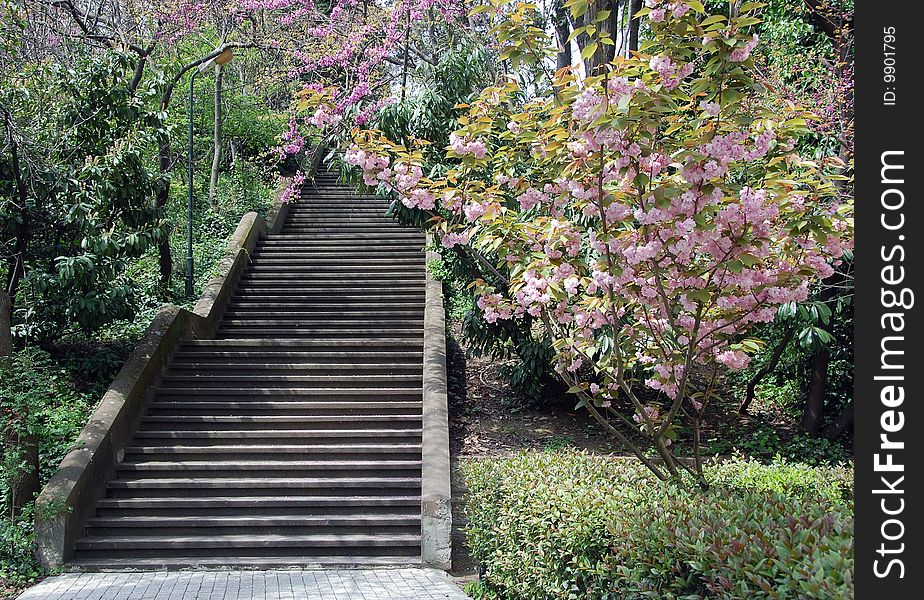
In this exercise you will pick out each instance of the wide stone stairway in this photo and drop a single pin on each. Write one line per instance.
(294, 437)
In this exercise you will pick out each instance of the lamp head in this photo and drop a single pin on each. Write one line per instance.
(219, 60)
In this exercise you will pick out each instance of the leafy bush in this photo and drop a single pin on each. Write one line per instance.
(764, 442)
(88, 137)
(37, 398)
(576, 525)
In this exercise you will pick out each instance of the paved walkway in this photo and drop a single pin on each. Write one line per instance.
(377, 584)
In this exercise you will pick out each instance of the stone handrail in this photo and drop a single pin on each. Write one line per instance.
(436, 489)
(70, 496)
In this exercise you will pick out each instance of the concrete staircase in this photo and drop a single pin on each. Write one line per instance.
(294, 437)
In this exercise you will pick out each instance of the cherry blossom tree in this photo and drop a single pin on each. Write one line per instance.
(647, 216)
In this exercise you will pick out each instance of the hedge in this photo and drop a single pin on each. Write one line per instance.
(575, 525)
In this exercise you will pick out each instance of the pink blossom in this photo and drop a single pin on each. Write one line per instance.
(588, 106)
(462, 146)
(743, 53)
(452, 239)
(530, 198)
(733, 359)
(711, 108)
(679, 9)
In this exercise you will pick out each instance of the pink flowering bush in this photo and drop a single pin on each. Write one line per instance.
(647, 216)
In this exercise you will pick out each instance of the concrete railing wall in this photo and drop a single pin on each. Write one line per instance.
(436, 492)
(70, 496)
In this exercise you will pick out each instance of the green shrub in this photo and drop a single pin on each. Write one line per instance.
(36, 397)
(575, 525)
(762, 441)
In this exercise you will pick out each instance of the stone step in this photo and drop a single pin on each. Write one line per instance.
(311, 276)
(295, 437)
(298, 290)
(337, 381)
(378, 266)
(176, 562)
(339, 360)
(339, 263)
(365, 275)
(318, 198)
(248, 468)
(325, 309)
(283, 394)
(348, 215)
(308, 243)
(377, 467)
(193, 364)
(258, 292)
(278, 452)
(382, 344)
(299, 253)
(252, 525)
(266, 505)
(385, 248)
(309, 293)
(415, 265)
(396, 236)
(148, 487)
(327, 195)
(294, 334)
(400, 240)
(186, 407)
(345, 218)
(302, 321)
(315, 228)
(253, 521)
(305, 281)
(314, 301)
(250, 545)
(382, 422)
(325, 312)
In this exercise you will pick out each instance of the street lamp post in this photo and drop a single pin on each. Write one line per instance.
(220, 59)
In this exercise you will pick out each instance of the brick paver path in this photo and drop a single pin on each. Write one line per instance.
(374, 584)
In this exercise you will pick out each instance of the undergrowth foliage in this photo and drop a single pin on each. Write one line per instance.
(37, 399)
(570, 525)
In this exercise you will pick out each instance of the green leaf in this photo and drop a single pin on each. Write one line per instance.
(749, 6)
(711, 20)
(589, 50)
(701, 296)
(749, 260)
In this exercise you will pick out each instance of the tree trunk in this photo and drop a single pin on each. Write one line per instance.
(815, 403)
(562, 31)
(634, 24)
(608, 27)
(216, 155)
(767, 368)
(6, 319)
(23, 231)
(844, 420)
(165, 258)
(24, 484)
